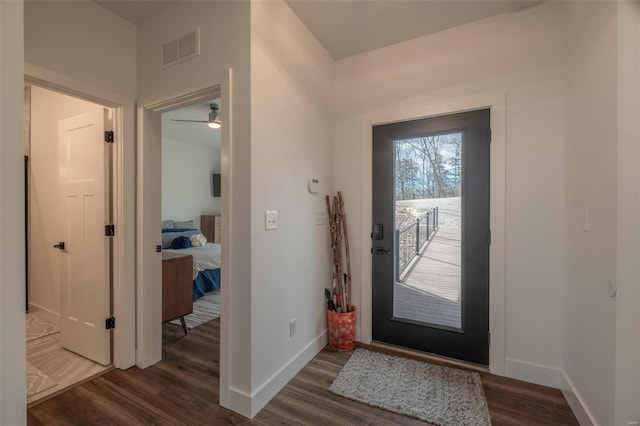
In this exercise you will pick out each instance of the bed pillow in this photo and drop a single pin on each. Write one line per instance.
(165, 230)
(198, 240)
(167, 224)
(168, 237)
(182, 225)
(181, 242)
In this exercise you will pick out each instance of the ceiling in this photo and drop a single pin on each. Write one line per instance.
(195, 133)
(136, 11)
(349, 27)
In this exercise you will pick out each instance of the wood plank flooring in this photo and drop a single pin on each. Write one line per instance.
(183, 390)
(429, 291)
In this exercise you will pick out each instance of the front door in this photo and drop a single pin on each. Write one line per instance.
(84, 212)
(431, 235)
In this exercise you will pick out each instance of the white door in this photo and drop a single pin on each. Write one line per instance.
(84, 212)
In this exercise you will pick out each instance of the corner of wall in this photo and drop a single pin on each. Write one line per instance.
(575, 400)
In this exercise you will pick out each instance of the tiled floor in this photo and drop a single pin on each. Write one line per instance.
(62, 366)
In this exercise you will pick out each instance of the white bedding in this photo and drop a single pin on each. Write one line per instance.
(207, 257)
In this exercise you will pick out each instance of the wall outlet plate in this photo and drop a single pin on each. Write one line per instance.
(270, 220)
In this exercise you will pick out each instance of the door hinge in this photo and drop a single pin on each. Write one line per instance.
(490, 135)
(110, 323)
(489, 339)
(110, 230)
(108, 136)
(489, 236)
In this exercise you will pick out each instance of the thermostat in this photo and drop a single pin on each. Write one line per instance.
(314, 185)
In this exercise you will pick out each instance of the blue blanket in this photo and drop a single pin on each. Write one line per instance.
(207, 280)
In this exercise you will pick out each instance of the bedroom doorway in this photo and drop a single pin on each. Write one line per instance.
(191, 216)
(68, 201)
(149, 218)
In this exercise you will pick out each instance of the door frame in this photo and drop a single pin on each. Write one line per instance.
(149, 272)
(123, 184)
(419, 109)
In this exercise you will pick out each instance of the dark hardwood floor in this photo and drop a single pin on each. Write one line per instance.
(183, 390)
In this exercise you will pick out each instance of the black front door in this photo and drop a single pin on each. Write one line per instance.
(431, 235)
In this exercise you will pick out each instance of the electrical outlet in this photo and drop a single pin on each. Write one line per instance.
(292, 327)
(270, 220)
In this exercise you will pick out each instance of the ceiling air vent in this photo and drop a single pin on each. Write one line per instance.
(181, 48)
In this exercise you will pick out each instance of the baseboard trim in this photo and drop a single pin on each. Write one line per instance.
(240, 402)
(270, 388)
(539, 374)
(576, 402)
(44, 313)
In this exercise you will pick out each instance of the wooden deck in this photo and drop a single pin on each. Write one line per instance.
(429, 290)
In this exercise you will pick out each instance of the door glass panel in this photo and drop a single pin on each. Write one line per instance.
(428, 223)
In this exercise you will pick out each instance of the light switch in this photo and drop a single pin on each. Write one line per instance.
(270, 220)
(321, 217)
(584, 220)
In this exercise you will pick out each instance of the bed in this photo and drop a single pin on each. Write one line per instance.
(206, 259)
(206, 268)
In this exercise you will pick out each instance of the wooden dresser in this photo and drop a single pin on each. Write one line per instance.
(210, 226)
(177, 287)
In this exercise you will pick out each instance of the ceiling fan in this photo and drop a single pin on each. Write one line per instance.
(213, 121)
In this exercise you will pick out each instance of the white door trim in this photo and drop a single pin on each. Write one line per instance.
(431, 108)
(124, 338)
(149, 294)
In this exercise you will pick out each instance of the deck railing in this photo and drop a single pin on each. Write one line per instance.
(410, 240)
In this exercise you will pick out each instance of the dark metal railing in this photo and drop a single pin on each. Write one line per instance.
(410, 240)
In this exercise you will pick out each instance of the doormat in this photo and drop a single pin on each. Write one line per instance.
(37, 327)
(37, 381)
(439, 395)
(205, 309)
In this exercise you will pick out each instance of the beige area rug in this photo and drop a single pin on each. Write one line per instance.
(205, 309)
(37, 327)
(37, 381)
(439, 395)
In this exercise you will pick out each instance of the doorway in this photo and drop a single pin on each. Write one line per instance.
(430, 248)
(191, 208)
(68, 193)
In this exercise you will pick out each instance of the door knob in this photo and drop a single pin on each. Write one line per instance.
(60, 245)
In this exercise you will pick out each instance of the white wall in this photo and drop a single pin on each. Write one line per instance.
(224, 44)
(591, 117)
(186, 180)
(12, 300)
(627, 360)
(47, 109)
(520, 54)
(81, 40)
(291, 140)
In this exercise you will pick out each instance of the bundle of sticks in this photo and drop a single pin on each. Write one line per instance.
(339, 297)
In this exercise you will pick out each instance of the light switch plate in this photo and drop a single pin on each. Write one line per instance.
(270, 220)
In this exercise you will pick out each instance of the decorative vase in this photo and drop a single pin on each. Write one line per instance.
(342, 330)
